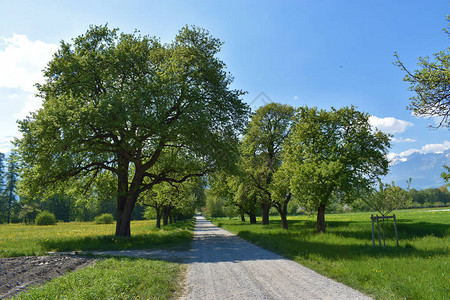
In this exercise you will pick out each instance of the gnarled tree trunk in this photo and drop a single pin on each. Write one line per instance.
(124, 202)
(124, 210)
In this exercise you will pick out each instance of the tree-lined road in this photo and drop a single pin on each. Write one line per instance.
(223, 266)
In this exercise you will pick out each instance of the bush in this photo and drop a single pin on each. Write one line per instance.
(45, 218)
(104, 219)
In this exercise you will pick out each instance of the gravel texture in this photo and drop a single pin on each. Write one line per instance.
(18, 273)
(223, 266)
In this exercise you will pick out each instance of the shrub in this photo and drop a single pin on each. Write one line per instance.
(45, 218)
(104, 219)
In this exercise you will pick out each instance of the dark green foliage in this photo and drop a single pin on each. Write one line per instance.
(332, 154)
(104, 219)
(261, 159)
(131, 107)
(45, 218)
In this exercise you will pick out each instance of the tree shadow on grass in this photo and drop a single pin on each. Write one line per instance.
(293, 247)
(172, 237)
(363, 230)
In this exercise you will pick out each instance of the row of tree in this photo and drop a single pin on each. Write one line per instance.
(318, 155)
(431, 197)
(144, 119)
(308, 154)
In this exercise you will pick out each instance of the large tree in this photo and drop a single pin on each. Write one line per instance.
(127, 104)
(261, 153)
(333, 152)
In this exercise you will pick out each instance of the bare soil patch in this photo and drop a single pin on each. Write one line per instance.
(18, 273)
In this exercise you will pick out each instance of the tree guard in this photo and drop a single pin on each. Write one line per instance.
(377, 218)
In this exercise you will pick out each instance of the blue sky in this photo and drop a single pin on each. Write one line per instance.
(315, 53)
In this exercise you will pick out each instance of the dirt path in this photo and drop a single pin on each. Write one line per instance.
(223, 266)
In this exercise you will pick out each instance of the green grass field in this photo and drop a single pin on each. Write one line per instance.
(417, 269)
(20, 239)
(113, 278)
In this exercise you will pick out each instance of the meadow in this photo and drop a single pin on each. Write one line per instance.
(417, 269)
(112, 278)
(21, 239)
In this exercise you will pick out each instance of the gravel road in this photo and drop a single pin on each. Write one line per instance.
(223, 266)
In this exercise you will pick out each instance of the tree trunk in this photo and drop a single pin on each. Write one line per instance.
(166, 212)
(265, 213)
(123, 226)
(123, 204)
(282, 210)
(284, 222)
(158, 218)
(321, 219)
(252, 217)
(242, 216)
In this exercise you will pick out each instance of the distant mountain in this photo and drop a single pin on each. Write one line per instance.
(424, 169)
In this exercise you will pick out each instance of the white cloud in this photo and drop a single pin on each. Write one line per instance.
(436, 148)
(403, 140)
(389, 124)
(21, 65)
(22, 61)
(295, 97)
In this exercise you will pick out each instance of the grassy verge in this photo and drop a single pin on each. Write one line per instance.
(418, 269)
(123, 278)
(112, 278)
(20, 239)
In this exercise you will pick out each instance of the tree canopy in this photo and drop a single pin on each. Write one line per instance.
(130, 105)
(333, 152)
(261, 154)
